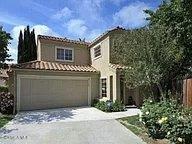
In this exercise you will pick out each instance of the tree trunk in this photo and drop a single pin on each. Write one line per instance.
(160, 91)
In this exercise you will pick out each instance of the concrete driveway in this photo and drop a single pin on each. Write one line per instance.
(66, 126)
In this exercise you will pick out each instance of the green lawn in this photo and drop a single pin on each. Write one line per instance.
(4, 120)
(133, 124)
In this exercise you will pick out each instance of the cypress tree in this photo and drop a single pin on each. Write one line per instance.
(27, 48)
(26, 55)
(20, 48)
(33, 46)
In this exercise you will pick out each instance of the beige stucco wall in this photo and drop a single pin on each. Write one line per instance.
(94, 79)
(46, 52)
(102, 64)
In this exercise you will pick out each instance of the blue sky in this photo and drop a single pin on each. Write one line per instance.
(71, 18)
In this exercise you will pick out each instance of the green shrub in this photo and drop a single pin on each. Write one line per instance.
(3, 89)
(167, 119)
(117, 106)
(94, 102)
(110, 106)
(179, 129)
(101, 105)
(155, 115)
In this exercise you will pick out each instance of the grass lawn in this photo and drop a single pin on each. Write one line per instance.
(133, 124)
(4, 120)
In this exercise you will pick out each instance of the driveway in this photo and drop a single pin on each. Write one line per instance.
(66, 126)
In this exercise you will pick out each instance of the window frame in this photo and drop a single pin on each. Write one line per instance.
(101, 86)
(95, 57)
(64, 48)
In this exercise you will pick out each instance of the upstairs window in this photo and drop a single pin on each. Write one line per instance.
(97, 51)
(64, 54)
(104, 87)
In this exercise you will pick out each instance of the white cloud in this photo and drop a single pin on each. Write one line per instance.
(64, 13)
(77, 27)
(39, 29)
(132, 15)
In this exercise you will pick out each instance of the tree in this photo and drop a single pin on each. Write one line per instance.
(162, 53)
(175, 16)
(27, 48)
(20, 48)
(4, 41)
(33, 46)
(146, 56)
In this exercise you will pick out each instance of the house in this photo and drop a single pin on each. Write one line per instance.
(70, 73)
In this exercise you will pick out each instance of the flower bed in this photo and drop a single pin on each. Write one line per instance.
(167, 119)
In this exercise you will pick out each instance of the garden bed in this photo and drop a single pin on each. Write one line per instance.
(133, 124)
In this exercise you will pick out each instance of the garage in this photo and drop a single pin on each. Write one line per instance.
(45, 92)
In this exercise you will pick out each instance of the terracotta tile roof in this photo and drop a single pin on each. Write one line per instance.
(3, 73)
(62, 39)
(42, 65)
(106, 33)
(116, 66)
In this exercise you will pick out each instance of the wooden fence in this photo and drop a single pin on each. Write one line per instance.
(187, 92)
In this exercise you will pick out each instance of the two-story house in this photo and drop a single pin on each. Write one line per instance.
(69, 73)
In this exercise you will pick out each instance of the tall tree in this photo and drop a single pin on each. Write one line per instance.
(27, 48)
(146, 56)
(33, 46)
(162, 53)
(20, 48)
(4, 41)
(175, 16)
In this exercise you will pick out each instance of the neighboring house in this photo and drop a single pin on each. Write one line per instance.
(3, 77)
(70, 73)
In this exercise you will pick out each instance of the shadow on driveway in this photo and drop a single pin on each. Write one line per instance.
(38, 117)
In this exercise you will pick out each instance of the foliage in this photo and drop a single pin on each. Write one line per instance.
(146, 56)
(175, 18)
(4, 120)
(117, 106)
(167, 119)
(3, 89)
(4, 41)
(160, 53)
(109, 106)
(27, 49)
(7, 103)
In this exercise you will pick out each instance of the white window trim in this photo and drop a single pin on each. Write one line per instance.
(101, 86)
(19, 77)
(94, 52)
(58, 47)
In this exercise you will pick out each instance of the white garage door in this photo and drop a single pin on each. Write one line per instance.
(44, 92)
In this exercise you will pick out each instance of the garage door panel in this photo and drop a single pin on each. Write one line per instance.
(52, 93)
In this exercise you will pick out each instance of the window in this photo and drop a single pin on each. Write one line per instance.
(64, 54)
(104, 87)
(97, 51)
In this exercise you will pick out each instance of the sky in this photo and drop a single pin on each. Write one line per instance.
(73, 19)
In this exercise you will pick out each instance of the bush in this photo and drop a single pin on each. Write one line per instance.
(167, 119)
(117, 106)
(110, 106)
(6, 105)
(179, 128)
(94, 102)
(3, 89)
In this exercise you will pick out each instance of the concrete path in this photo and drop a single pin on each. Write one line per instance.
(74, 126)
